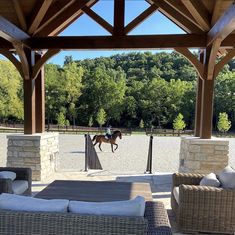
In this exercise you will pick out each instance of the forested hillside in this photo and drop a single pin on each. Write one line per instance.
(122, 90)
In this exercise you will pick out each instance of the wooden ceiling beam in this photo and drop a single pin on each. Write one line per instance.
(119, 17)
(38, 14)
(199, 13)
(180, 7)
(118, 42)
(140, 18)
(178, 18)
(216, 11)
(65, 18)
(54, 11)
(223, 27)
(98, 19)
(11, 32)
(20, 14)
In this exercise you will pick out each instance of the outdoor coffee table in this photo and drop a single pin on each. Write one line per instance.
(95, 191)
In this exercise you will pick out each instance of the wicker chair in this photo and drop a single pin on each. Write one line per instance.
(202, 208)
(6, 185)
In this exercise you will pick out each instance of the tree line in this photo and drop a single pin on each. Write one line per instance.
(128, 90)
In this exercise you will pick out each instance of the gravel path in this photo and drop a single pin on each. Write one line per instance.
(129, 158)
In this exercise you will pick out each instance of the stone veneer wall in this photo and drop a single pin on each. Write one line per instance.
(37, 151)
(203, 155)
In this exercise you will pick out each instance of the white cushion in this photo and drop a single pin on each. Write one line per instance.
(24, 203)
(19, 186)
(7, 175)
(210, 180)
(227, 177)
(133, 207)
(176, 193)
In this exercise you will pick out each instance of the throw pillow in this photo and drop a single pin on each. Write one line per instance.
(7, 175)
(24, 203)
(133, 207)
(227, 177)
(210, 180)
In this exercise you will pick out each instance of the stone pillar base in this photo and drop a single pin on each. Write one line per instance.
(203, 155)
(37, 151)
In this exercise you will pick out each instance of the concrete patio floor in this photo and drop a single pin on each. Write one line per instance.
(160, 185)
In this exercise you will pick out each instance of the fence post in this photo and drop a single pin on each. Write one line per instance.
(150, 156)
(86, 153)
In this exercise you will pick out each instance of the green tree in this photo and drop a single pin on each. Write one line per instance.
(61, 121)
(101, 117)
(179, 123)
(223, 124)
(90, 123)
(141, 125)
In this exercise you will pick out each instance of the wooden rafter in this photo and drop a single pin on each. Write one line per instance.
(39, 64)
(20, 14)
(119, 17)
(175, 16)
(199, 12)
(4, 44)
(223, 27)
(180, 7)
(216, 11)
(192, 59)
(98, 19)
(65, 18)
(223, 62)
(11, 32)
(38, 14)
(140, 18)
(23, 59)
(13, 59)
(54, 11)
(119, 42)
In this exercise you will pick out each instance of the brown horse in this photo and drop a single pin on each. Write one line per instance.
(101, 138)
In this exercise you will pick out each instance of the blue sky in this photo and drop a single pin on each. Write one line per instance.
(155, 24)
(85, 26)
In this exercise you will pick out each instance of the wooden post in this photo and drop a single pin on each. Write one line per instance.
(29, 99)
(40, 99)
(197, 128)
(207, 109)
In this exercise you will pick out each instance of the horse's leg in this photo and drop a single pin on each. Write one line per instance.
(95, 143)
(112, 147)
(116, 146)
(100, 146)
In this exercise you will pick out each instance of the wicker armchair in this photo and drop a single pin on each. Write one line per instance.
(6, 185)
(202, 208)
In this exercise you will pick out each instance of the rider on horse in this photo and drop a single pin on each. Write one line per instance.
(108, 134)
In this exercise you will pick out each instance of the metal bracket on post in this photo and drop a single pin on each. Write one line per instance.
(150, 156)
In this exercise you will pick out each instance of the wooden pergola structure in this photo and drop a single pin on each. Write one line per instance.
(29, 28)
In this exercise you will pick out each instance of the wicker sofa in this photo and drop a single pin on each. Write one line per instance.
(155, 222)
(22, 174)
(202, 208)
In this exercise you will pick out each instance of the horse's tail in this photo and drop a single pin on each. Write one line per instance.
(94, 137)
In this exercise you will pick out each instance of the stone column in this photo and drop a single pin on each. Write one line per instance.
(37, 151)
(203, 155)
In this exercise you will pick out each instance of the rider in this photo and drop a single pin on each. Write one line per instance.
(108, 134)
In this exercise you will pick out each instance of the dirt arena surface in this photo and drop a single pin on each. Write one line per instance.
(129, 158)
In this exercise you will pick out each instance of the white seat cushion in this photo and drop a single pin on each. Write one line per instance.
(19, 186)
(210, 180)
(176, 193)
(7, 175)
(227, 177)
(24, 203)
(133, 207)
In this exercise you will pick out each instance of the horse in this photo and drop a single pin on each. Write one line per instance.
(112, 140)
